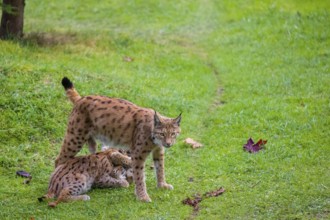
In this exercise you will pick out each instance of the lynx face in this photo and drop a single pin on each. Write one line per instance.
(166, 131)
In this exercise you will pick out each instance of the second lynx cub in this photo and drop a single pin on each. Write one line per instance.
(77, 175)
(120, 123)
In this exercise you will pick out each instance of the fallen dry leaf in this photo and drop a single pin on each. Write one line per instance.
(24, 174)
(252, 147)
(215, 193)
(194, 144)
(197, 198)
(128, 59)
(193, 202)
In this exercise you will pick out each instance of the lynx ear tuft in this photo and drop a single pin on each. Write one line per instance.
(156, 119)
(177, 120)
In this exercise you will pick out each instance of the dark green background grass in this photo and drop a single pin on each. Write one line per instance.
(236, 69)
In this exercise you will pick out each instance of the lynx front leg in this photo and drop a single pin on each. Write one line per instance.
(107, 181)
(138, 161)
(158, 157)
(119, 159)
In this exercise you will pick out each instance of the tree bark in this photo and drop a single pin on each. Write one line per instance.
(12, 19)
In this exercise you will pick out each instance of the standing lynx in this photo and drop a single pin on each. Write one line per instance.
(119, 123)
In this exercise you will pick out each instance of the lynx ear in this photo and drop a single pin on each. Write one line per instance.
(177, 120)
(156, 119)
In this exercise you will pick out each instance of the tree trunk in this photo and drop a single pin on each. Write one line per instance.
(12, 19)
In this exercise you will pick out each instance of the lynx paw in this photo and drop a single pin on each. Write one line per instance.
(165, 186)
(124, 184)
(52, 204)
(145, 198)
(85, 197)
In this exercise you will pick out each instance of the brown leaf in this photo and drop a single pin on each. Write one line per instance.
(193, 202)
(194, 144)
(128, 59)
(215, 193)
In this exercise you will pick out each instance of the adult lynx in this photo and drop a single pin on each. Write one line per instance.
(120, 123)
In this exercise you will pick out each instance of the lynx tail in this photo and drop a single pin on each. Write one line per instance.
(71, 92)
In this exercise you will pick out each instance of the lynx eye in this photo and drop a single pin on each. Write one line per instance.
(173, 134)
(161, 134)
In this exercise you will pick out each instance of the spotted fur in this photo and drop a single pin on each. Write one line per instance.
(76, 176)
(120, 123)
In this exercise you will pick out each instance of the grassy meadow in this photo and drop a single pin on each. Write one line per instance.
(235, 69)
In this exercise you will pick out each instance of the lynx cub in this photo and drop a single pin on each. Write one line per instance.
(119, 123)
(76, 176)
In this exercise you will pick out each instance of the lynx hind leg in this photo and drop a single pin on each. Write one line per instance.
(66, 196)
(46, 197)
(72, 144)
(77, 186)
(77, 133)
(75, 137)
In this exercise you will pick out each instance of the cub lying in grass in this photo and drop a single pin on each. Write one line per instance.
(77, 175)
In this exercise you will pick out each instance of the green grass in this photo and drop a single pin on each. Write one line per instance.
(236, 69)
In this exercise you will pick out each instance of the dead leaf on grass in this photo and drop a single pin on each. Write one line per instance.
(24, 174)
(215, 193)
(194, 144)
(252, 147)
(128, 59)
(193, 202)
(197, 198)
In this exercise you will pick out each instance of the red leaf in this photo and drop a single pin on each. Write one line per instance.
(262, 142)
(252, 147)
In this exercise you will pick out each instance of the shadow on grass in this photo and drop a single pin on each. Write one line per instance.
(48, 39)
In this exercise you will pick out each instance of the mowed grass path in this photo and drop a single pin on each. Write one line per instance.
(236, 69)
